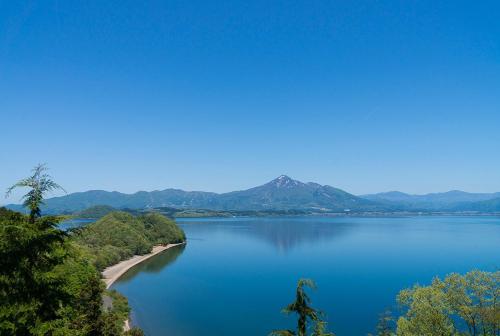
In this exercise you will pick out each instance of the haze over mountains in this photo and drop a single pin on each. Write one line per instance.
(282, 193)
(454, 200)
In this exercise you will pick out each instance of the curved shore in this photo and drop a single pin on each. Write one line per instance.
(113, 273)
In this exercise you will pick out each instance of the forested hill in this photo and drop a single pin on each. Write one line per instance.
(119, 235)
(49, 281)
(96, 211)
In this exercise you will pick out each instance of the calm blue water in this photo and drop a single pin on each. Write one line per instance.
(75, 223)
(235, 275)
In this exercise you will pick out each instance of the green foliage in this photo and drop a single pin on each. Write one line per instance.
(320, 329)
(301, 307)
(48, 286)
(458, 305)
(30, 290)
(475, 298)
(116, 311)
(39, 184)
(428, 313)
(161, 230)
(119, 235)
(282, 333)
(111, 324)
(134, 332)
(83, 285)
(97, 211)
(120, 304)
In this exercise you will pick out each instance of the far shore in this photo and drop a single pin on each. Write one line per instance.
(113, 273)
(373, 214)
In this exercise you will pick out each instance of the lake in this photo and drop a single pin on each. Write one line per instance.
(234, 275)
(74, 223)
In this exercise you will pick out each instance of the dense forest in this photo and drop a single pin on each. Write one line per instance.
(50, 282)
(96, 211)
(120, 235)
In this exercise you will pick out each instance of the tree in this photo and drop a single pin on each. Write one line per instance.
(475, 297)
(134, 332)
(46, 287)
(427, 313)
(39, 183)
(30, 292)
(30, 250)
(320, 329)
(301, 307)
(458, 305)
(48, 284)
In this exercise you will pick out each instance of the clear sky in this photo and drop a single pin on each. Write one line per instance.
(366, 96)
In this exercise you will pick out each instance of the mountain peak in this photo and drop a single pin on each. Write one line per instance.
(285, 181)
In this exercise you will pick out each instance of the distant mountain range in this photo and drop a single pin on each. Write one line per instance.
(454, 200)
(282, 193)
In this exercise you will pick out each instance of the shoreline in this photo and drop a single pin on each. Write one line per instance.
(112, 273)
(354, 214)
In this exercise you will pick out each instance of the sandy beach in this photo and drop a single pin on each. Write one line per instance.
(113, 273)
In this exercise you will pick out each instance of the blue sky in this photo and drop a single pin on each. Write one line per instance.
(367, 96)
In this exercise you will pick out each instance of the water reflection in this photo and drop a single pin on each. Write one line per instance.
(359, 264)
(285, 234)
(154, 264)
